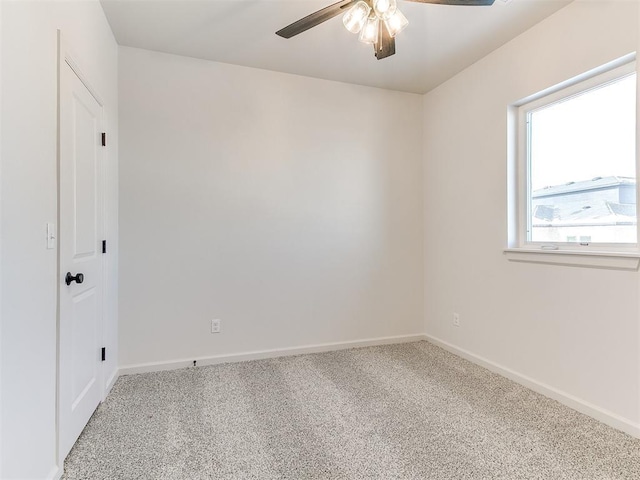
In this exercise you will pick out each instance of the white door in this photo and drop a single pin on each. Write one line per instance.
(80, 383)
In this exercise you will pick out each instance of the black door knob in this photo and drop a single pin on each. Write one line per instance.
(78, 278)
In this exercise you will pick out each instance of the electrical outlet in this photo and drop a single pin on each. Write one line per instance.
(216, 326)
(456, 320)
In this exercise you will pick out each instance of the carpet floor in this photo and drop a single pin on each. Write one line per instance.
(410, 411)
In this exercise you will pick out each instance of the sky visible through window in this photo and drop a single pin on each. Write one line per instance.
(590, 135)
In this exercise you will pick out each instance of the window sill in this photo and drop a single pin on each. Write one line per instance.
(592, 259)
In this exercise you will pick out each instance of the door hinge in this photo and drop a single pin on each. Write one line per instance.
(104, 139)
(104, 246)
(104, 353)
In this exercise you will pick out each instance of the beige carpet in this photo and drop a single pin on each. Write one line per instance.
(410, 411)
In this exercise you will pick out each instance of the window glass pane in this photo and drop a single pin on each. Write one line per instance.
(582, 167)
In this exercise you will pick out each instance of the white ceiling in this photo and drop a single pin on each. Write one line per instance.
(439, 42)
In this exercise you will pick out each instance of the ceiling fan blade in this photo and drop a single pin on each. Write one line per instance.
(314, 19)
(385, 45)
(468, 3)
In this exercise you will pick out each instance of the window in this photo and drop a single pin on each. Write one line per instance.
(577, 165)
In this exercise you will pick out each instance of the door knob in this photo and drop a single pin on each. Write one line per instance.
(78, 278)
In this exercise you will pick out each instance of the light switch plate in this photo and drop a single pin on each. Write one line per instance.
(51, 236)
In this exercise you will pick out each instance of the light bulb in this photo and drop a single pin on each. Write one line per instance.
(384, 8)
(356, 16)
(396, 23)
(369, 33)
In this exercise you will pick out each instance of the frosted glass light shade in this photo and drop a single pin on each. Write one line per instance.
(356, 16)
(369, 33)
(396, 23)
(384, 8)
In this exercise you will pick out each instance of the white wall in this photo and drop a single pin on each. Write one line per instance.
(28, 201)
(573, 329)
(288, 207)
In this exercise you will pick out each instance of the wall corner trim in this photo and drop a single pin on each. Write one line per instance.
(582, 406)
(264, 354)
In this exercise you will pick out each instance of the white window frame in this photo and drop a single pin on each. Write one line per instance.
(519, 248)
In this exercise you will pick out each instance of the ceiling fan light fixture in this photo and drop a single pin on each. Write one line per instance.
(360, 13)
(356, 16)
(369, 33)
(384, 8)
(396, 23)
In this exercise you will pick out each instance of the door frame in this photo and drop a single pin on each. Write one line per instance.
(66, 55)
(1, 262)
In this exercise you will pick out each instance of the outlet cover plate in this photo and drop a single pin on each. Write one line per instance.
(216, 325)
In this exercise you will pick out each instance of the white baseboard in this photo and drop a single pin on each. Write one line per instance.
(111, 382)
(262, 354)
(600, 414)
(56, 473)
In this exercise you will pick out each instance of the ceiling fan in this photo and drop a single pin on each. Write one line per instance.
(377, 21)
